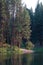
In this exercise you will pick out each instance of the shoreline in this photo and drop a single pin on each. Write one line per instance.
(26, 51)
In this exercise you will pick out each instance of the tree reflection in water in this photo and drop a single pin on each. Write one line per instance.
(17, 59)
(38, 59)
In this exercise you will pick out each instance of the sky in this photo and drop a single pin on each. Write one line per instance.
(31, 3)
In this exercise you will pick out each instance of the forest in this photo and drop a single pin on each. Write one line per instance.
(20, 26)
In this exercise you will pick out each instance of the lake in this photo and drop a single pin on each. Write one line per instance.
(23, 59)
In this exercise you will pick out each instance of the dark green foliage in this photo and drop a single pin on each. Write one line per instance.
(4, 21)
(32, 24)
(14, 23)
(26, 32)
(37, 25)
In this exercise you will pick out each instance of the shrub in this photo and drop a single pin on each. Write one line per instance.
(29, 45)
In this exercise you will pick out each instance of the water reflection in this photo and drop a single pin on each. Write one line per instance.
(24, 59)
(38, 59)
(4, 58)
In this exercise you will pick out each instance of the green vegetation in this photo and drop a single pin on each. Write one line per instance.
(29, 45)
(37, 25)
(10, 50)
(14, 24)
(20, 27)
(3, 50)
(40, 49)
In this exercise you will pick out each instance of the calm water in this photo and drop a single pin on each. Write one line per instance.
(24, 59)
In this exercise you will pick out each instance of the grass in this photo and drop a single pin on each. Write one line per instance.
(38, 49)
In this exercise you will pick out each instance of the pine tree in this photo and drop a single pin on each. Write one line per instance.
(31, 13)
(26, 27)
(19, 22)
(15, 10)
(39, 24)
(4, 20)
